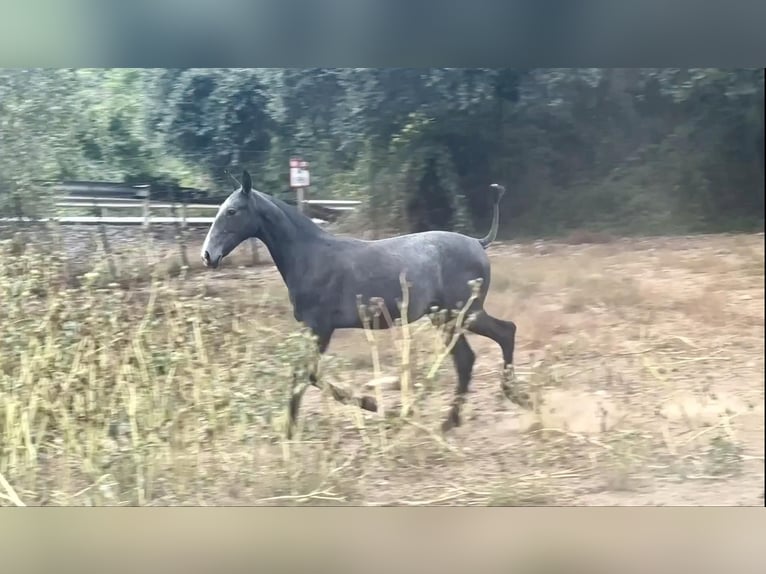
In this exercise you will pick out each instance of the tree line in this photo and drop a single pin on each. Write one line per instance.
(626, 150)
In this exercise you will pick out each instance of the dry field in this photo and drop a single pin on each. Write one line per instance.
(646, 358)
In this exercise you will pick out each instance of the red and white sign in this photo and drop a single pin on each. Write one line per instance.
(299, 173)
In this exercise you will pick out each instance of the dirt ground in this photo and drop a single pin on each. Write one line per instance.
(647, 357)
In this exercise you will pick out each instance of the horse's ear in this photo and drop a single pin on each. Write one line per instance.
(247, 182)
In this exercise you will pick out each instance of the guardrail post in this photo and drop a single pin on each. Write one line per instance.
(146, 212)
(99, 211)
(184, 227)
(150, 255)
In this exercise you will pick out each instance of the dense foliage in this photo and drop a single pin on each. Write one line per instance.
(632, 150)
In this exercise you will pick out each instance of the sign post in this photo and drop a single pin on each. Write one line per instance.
(299, 178)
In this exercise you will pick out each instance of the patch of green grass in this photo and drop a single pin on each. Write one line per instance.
(723, 457)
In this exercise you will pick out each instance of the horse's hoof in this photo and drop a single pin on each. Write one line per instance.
(368, 403)
(523, 400)
(452, 421)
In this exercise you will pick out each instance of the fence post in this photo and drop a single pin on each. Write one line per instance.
(148, 243)
(18, 208)
(184, 230)
(179, 228)
(99, 211)
(146, 212)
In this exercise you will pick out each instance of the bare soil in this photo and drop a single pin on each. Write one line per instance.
(647, 357)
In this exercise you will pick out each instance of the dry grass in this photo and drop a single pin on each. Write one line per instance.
(168, 385)
(587, 236)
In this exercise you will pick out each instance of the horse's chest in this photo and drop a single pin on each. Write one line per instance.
(295, 301)
(303, 304)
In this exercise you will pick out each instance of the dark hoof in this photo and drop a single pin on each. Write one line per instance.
(290, 427)
(523, 400)
(368, 404)
(452, 421)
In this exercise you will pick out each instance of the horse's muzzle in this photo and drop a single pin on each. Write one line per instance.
(209, 262)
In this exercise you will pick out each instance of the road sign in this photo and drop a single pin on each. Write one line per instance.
(299, 173)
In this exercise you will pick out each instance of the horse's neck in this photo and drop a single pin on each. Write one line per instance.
(289, 243)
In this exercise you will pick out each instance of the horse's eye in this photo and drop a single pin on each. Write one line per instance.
(231, 211)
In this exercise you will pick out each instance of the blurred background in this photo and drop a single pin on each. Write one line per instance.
(628, 150)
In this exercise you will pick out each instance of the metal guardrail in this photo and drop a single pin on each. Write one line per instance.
(107, 220)
(108, 196)
(128, 203)
(116, 204)
(85, 201)
(100, 191)
(121, 220)
(103, 196)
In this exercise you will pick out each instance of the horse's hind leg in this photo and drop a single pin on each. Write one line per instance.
(463, 357)
(504, 334)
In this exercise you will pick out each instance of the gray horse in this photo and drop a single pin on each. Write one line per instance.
(328, 276)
